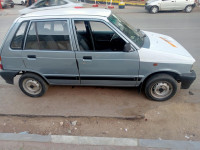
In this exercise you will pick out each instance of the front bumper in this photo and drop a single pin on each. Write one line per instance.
(8, 76)
(148, 7)
(187, 79)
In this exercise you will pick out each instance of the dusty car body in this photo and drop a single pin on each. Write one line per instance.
(92, 47)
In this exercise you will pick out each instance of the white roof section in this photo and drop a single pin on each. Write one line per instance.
(70, 12)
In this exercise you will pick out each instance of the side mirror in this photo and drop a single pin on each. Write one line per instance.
(127, 47)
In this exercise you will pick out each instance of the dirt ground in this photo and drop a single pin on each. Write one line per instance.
(178, 121)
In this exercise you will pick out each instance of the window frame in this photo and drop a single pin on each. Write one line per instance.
(24, 38)
(49, 20)
(106, 22)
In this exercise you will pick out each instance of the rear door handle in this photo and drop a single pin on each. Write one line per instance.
(87, 57)
(31, 56)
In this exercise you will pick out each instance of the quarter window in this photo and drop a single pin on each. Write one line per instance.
(17, 42)
(48, 35)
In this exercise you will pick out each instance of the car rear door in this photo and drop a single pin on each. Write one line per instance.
(181, 4)
(48, 51)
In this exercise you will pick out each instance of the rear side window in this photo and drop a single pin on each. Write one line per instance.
(48, 35)
(49, 3)
(18, 40)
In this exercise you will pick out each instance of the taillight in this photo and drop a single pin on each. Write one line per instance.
(1, 67)
(1, 0)
(78, 7)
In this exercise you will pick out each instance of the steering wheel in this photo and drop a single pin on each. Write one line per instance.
(115, 36)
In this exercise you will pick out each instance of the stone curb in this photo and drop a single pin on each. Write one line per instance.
(102, 141)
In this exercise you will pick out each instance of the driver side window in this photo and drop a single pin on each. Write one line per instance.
(97, 36)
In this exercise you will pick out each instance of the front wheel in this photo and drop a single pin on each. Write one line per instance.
(188, 9)
(32, 85)
(160, 87)
(154, 9)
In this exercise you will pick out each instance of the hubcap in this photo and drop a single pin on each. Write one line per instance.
(189, 9)
(154, 10)
(161, 89)
(32, 86)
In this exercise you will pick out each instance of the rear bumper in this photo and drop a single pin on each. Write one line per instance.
(187, 79)
(8, 76)
(194, 5)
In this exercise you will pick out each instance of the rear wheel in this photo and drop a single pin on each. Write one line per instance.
(22, 3)
(160, 87)
(12, 5)
(188, 8)
(32, 85)
(154, 9)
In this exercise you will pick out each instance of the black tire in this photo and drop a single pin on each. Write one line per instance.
(188, 8)
(30, 81)
(22, 3)
(160, 84)
(12, 6)
(154, 9)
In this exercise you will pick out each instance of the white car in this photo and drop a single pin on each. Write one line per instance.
(50, 4)
(153, 6)
(21, 2)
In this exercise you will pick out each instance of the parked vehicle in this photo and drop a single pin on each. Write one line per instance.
(153, 6)
(6, 3)
(20, 2)
(51, 4)
(92, 47)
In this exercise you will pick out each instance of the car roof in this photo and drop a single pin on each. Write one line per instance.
(70, 12)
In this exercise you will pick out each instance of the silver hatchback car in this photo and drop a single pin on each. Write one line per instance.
(92, 47)
(153, 6)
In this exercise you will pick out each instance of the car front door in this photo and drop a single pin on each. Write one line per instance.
(101, 58)
(167, 5)
(48, 51)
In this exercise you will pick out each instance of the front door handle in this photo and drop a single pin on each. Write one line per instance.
(87, 57)
(31, 56)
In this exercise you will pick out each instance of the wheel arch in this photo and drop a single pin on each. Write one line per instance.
(175, 75)
(24, 72)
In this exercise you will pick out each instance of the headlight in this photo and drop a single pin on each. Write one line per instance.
(192, 67)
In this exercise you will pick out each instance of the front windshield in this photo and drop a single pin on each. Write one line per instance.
(135, 35)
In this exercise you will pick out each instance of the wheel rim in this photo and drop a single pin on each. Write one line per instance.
(161, 89)
(189, 8)
(32, 86)
(154, 9)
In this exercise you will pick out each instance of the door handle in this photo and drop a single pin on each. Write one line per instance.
(87, 57)
(31, 56)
